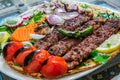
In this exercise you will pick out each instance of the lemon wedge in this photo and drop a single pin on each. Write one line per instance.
(110, 45)
(4, 36)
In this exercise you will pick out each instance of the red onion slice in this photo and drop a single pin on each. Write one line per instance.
(68, 15)
(55, 20)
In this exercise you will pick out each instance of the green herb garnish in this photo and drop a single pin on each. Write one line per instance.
(5, 28)
(84, 6)
(99, 57)
(62, 2)
(37, 17)
(108, 45)
(17, 64)
(106, 15)
(83, 64)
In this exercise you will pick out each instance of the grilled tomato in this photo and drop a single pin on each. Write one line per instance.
(33, 64)
(19, 59)
(55, 67)
(10, 49)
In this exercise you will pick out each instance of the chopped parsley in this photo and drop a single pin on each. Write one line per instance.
(106, 15)
(108, 45)
(84, 6)
(62, 2)
(17, 64)
(37, 17)
(99, 57)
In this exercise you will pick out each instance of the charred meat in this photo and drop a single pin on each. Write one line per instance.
(65, 45)
(71, 25)
(78, 53)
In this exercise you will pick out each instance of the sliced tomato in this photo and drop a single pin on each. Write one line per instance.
(56, 66)
(33, 67)
(42, 56)
(21, 57)
(12, 48)
(37, 61)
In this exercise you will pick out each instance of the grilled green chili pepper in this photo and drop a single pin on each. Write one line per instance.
(76, 34)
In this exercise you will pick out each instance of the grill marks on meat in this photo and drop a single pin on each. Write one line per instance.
(65, 45)
(50, 39)
(82, 50)
(71, 25)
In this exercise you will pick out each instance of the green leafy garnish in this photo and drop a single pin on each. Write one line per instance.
(106, 15)
(17, 64)
(37, 17)
(84, 6)
(5, 28)
(108, 45)
(99, 57)
(62, 2)
(83, 64)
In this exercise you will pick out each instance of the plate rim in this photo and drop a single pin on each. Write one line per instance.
(69, 77)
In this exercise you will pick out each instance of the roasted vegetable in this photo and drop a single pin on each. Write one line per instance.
(19, 51)
(28, 59)
(10, 49)
(35, 60)
(56, 66)
(22, 55)
(77, 34)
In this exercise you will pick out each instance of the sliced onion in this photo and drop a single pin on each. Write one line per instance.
(68, 15)
(55, 19)
(37, 36)
(49, 31)
(48, 10)
(27, 43)
(59, 10)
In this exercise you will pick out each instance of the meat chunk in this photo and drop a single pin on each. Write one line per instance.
(71, 25)
(83, 50)
(63, 46)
